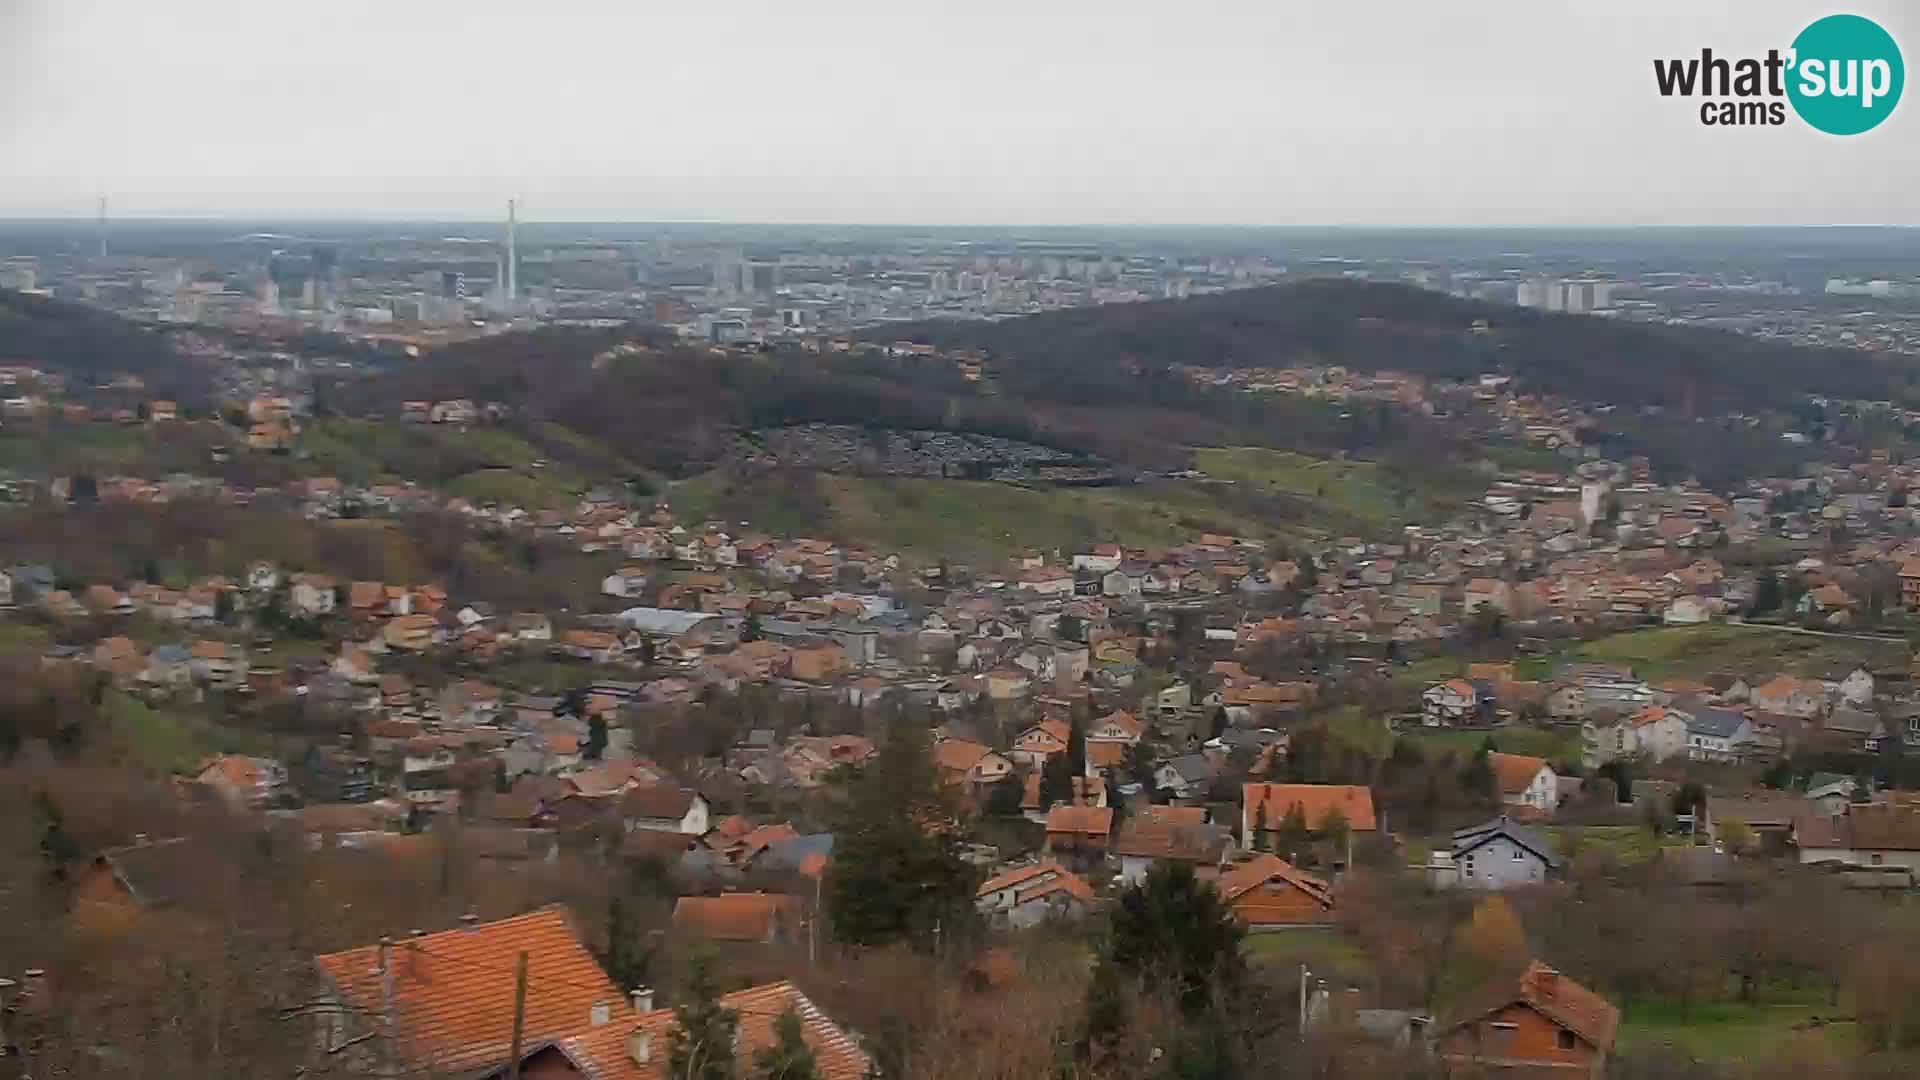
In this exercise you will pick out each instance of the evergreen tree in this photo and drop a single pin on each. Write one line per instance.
(57, 849)
(1334, 831)
(1262, 839)
(1294, 835)
(896, 874)
(1077, 745)
(596, 738)
(701, 1044)
(501, 785)
(1056, 781)
(1767, 595)
(751, 630)
(1107, 1014)
(625, 962)
(1478, 777)
(789, 1058)
(1173, 930)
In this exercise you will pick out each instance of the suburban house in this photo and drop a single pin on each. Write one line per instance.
(1268, 805)
(1456, 702)
(244, 782)
(121, 883)
(1718, 735)
(1184, 777)
(657, 806)
(1541, 1022)
(1028, 895)
(635, 1042)
(448, 996)
(1500, 854)
(1079, 830)
(1868, 834)
(758, 917)
(1033, 746)
(962, 761)
(1790, 696)
(1525, 782)
(1269, 893)
(1168, 834)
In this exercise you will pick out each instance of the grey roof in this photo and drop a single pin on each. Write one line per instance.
(789, 854)
(1852, 720)
(664, 621)
(1465, 840)
(1191, 767)
(1716, 723)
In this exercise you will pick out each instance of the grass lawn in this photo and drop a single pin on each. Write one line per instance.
(1732, 1032)
(22, 638)
(971, 520)
(1554, 744)
(1364, 731)
(1324, 952)
(1350, 496)
(160, 740)
(1693, 651)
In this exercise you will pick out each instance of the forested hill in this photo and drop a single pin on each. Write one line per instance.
(85, 343)
(1373, 326)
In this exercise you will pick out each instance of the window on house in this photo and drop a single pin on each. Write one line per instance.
(1877, 858)
(1518, 855)
(1565, 1039)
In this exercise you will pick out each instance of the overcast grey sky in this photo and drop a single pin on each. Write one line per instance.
(922, 111)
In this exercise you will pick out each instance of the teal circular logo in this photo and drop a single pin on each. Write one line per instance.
(1846, 75)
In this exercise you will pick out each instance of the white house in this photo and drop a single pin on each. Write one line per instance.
(1527, 782)
(313, 594)
(1028, 895)
(1102, 559)
(665, 809)
(1450, 703)
(1659, 732)
(626, 583)
(1718, 735)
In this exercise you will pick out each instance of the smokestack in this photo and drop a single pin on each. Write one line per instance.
(513, 251)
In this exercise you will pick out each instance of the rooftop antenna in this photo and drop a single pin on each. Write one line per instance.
(100, 223)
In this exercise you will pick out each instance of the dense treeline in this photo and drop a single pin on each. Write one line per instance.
(1373, 326)
(86, 343)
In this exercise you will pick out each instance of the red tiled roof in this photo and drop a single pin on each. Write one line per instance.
(1315, 802)
(452, 992)
(604, 1053)
(1553, 996)
(733, 917)
(1513, 772)
(1090, 820)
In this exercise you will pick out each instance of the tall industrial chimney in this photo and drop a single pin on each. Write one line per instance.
(513, 255)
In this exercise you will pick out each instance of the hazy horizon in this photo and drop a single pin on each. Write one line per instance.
(1506, 114)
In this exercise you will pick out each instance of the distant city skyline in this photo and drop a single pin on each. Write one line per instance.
(994, 114)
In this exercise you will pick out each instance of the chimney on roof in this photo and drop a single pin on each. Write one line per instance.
(600, 1014)
(469, 921)
(642, 999)
(416, 932)
(640, 1046)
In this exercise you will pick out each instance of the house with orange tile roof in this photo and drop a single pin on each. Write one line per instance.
(243, 782)
(1536, 1023)
(1083, 831)
(637, 1048)
(444, 1002)
(1270, 893)
(1035, 745)
(1527, 783)
(1029, 895)
(764, 918)
(1317, 802)
(962, 761)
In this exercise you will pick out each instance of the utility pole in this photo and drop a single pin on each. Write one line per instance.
(519, 1016)
(1304, 975)
(389, 1061)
